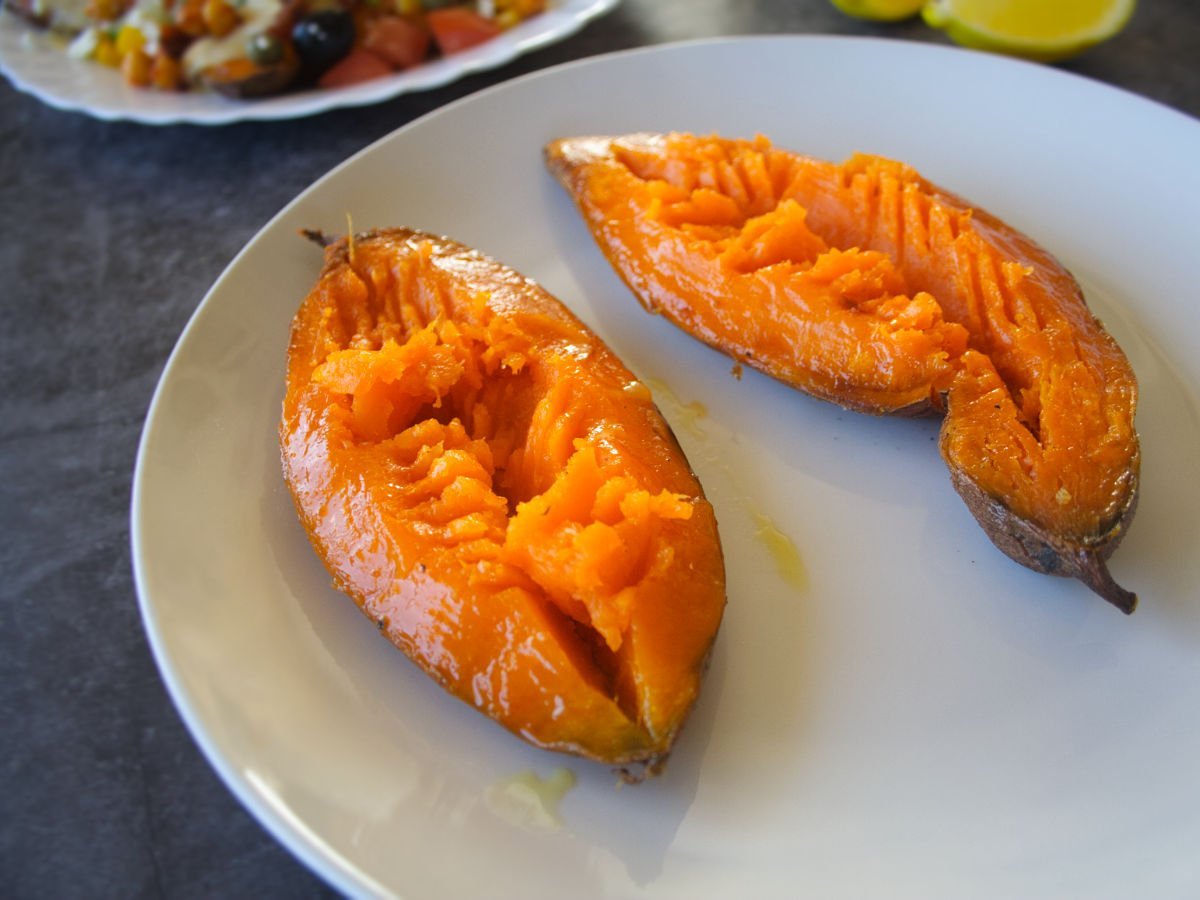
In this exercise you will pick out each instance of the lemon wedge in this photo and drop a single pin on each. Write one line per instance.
(1044, 30)
(880, 10)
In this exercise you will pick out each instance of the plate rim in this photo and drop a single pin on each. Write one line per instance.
(299, 841)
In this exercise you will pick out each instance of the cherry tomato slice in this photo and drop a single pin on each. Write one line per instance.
(457, 28)
(401, 42)
(358, 65)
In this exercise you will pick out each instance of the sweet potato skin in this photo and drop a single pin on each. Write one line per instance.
(526, 393)
(1044, 551)
(1038, 399)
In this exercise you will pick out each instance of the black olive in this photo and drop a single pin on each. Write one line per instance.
(321, 39)
(265, 49)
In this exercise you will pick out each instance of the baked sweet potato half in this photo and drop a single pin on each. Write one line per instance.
(866, 285)
(493, 488)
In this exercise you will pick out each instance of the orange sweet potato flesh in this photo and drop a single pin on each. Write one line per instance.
(866, 285)
(493, 488)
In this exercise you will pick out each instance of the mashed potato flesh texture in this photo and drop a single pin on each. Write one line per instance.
(532, 506)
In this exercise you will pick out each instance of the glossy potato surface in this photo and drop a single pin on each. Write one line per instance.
(865, 284)
(493, 488)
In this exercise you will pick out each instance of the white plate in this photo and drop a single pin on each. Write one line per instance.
(37, 65)
(913, 716)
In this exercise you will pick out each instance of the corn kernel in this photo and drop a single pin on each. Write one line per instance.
(516, 10)
(106, 52)
(129, 39)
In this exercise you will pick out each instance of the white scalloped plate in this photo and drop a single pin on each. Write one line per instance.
(912, 715)
(37, 65)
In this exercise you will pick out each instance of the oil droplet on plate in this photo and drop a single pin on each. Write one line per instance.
(787, 558)
(788, 563)
(688, 414)
(528, 801)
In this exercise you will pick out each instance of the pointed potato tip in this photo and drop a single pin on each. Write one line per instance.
(318, 237)
(1094, 573)
(563, 156)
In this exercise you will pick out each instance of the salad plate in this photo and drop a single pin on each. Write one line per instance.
(893, 708)
(37, 64)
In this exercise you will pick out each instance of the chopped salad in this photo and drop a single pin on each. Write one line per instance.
(257, 48)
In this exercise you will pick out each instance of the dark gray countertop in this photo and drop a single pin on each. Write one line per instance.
(112, 233)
